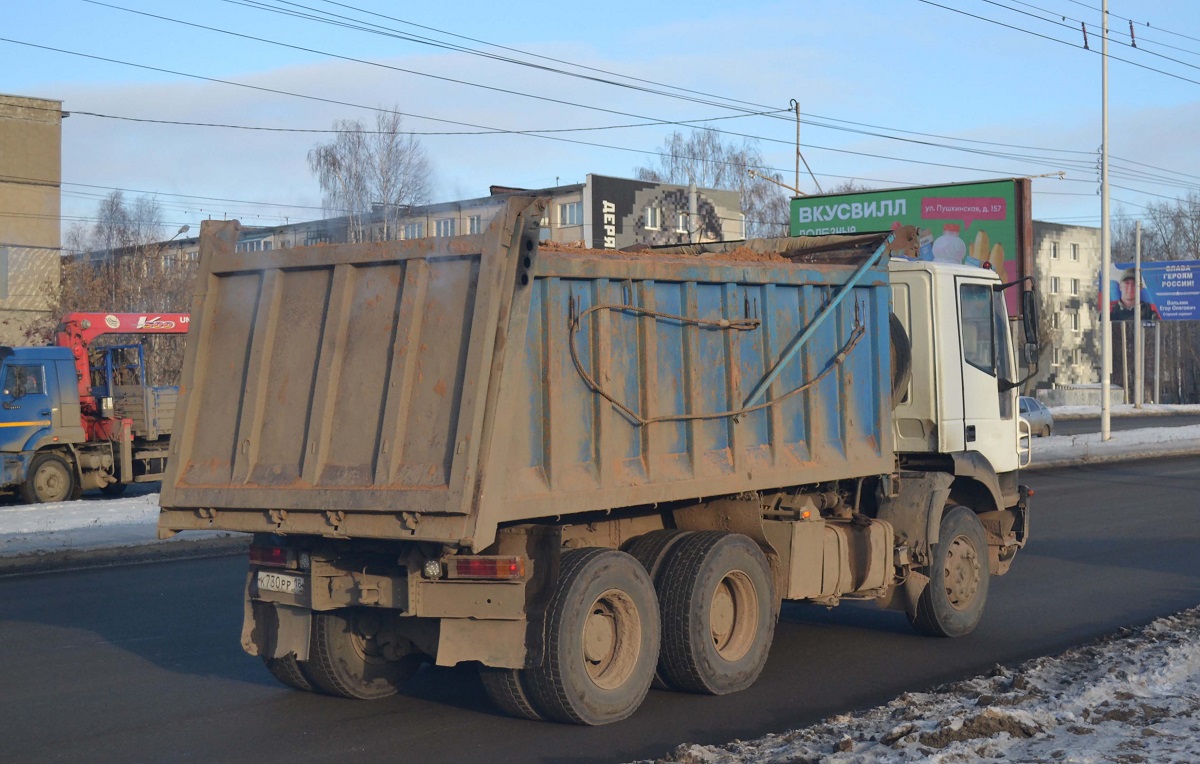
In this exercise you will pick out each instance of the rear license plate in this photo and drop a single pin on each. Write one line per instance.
(280, 582)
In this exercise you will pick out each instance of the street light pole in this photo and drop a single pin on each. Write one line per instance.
(1105, 254)
(1139, 358)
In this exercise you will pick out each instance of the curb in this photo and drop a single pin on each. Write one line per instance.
(76, 559)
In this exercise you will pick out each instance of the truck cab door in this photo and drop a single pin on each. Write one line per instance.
(25, 404)
(989, 424)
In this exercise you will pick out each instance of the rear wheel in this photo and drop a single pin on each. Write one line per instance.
(289, 671)
(952, 604)
(602, 636)
(350, 656)
(718, 613)
(50, 479)
(506, 688)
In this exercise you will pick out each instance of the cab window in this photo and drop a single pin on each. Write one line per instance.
(25, 380)
(978, 337)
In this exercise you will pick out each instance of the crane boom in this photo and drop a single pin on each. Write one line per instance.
(77, 331)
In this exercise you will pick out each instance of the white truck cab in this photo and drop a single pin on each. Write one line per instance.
(962, 395)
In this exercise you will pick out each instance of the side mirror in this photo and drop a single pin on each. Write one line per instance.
(1029, 352)
(1029, 309)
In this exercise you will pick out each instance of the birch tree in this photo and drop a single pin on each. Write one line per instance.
(372, 177)
(703, 157)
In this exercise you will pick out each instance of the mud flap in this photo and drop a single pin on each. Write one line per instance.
(272, 630)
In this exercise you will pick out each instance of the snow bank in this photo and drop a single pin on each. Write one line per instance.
(91, 523)
(1124, 409)
(1133, 697)
(1147, 442)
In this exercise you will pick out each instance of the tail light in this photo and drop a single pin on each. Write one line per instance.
(495, 568)
(272, 556)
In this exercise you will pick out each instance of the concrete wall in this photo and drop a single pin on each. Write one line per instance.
(30, 237)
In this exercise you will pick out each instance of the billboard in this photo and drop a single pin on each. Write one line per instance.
(620, 212)
(987, 224)
(1170, 291)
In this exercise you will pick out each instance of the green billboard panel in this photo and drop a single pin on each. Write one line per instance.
(986, 224)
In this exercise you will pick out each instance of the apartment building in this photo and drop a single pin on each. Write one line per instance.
(1067, 268)
(30, 238)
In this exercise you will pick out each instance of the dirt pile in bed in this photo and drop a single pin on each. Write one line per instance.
(737, 255)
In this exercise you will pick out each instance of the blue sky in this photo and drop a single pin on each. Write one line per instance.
(908, 69)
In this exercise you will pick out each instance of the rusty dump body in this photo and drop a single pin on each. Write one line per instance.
(427, 389)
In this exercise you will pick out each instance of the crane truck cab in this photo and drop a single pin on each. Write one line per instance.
(39, 422)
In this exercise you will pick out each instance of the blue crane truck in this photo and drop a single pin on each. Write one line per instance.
(590, 471)
(74, 417)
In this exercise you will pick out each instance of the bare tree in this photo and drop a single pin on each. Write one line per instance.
(371, 176)
(121, 263)
(704, 158)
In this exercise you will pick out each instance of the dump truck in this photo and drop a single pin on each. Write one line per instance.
(77, 416)
(588, 472)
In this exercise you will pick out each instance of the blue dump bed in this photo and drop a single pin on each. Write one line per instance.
(438, 388)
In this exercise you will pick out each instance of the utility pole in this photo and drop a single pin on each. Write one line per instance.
(1139, 335)
(1105, 253)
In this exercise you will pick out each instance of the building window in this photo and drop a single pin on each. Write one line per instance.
(653, 218)
(1055, 357)
(1054, 320)
(681, 223)
(475, 224)
(570, 214)
(267, 246)
(1075, 321)
(1074, 251)
(1076, 356)
(1074, 284)
(1054, 285)
(1054, 250)
(414, 230)
(445, 227)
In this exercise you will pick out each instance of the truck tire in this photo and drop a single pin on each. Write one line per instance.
(718, 613)
(50, 479)
(952, 604)
(651, 549)
(901, 359)
(506, 688)
(289, 671)
(602, 637)
(344, 660)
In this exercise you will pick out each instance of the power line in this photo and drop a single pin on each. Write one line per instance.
(1060, 42)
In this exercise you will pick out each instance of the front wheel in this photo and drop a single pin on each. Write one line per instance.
(952, 604)
(50, 479)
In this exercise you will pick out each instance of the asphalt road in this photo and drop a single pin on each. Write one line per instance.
(1082, 426)
(142, 663)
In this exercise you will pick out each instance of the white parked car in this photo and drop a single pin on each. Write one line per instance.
(1033, 411)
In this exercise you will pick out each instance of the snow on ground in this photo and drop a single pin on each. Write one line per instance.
(90, 523)
(1130, 698)
(1124, 409)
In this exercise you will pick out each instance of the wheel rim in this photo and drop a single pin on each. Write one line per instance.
(363, 630)
(611, 639)
(962, 572)
(52, 482)
(733, 615)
